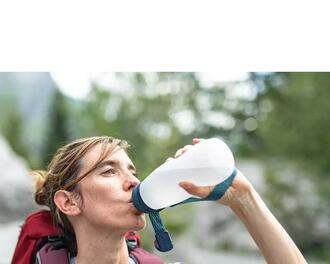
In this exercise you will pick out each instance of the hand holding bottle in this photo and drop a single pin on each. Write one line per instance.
(238, 189)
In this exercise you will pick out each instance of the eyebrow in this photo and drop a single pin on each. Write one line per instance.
(115, 164)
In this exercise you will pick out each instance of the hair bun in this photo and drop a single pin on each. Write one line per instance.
(39, 184)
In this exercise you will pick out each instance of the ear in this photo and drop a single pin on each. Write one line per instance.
(66, 203)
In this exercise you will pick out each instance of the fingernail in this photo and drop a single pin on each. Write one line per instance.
(184, 184)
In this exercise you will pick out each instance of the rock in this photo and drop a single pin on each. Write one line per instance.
(219, 224)
(9, 234)
(16, 189)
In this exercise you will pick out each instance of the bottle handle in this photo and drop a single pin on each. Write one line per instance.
(218, 191)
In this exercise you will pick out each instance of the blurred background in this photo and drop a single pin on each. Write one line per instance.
(277, 124)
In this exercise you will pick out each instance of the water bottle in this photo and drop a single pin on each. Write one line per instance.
(209, 162)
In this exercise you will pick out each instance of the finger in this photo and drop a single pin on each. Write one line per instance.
(200, 191)
(182, 150)
(178, 152)
(185, 148)
(197, 140)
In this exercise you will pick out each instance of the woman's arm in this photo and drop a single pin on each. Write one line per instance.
(273, 241)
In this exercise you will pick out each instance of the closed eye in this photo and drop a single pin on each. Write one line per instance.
(109, 171)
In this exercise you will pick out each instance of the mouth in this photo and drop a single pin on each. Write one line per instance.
(137, 212)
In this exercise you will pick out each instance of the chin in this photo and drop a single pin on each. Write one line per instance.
(140, 223)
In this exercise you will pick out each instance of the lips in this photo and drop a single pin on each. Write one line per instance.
(137, 212)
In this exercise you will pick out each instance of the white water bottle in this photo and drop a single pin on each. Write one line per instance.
(209, 162)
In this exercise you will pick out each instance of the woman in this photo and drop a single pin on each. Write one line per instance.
(88, 188)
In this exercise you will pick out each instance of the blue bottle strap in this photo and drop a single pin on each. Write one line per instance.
(163, 240)
(218, 191)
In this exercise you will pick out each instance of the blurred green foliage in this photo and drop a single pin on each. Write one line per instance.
(145, 115)
(293, 127)
(57, 133)
(297, 125)
(11, 124)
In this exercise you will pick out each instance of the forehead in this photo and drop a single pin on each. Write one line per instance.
(93, 155)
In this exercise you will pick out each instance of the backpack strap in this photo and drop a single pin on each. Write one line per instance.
(53, 252)
(48, 254)
(142, 256)
(138, 254)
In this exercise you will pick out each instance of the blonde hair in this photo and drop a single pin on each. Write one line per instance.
(62, 174)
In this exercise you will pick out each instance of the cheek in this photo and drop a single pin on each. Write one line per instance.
(101, 195)
(105, 205)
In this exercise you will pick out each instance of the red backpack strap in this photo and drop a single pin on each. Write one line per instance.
(142, 256)
(50, 255)
(35, 227)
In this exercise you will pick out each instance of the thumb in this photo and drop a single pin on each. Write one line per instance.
(200, 191)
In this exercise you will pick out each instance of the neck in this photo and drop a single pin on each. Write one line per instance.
(100, 246)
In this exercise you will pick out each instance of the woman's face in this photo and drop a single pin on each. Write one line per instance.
(107, 192)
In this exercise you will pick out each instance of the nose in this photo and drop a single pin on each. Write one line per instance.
(130, 182)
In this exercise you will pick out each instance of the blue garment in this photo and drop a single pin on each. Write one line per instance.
(130, 260)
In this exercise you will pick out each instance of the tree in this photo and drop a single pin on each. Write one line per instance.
(57, 127)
